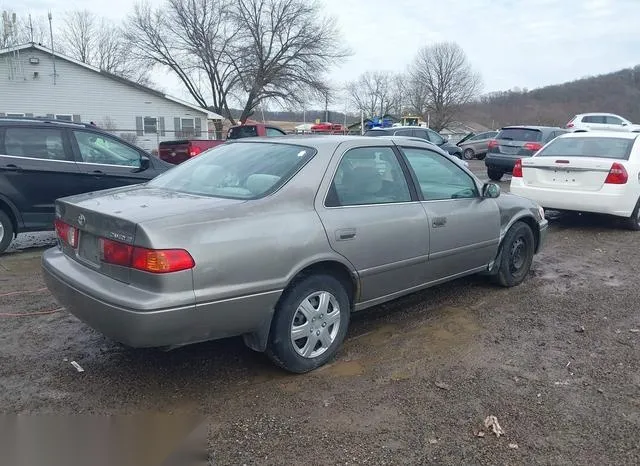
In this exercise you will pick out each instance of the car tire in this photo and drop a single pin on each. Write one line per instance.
(494, 175)
(633, 222)
(291, 319)
(468, 154)
(516, 255)
(481, 156)
(6, 231)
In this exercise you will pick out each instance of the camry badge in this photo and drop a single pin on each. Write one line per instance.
(81, 220)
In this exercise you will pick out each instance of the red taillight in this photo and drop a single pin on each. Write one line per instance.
(147, 260)
(517, 169)
(493, 144)
(533, 146)
(66, 233)
(162, 261)
(617, 174)
(114, 252)
(569, 125)
(194, 150)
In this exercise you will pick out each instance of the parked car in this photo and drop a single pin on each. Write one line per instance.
(268, 239)
(601, 122)
(513, 143)
(176, 152)
(586, 172)
(417, 132)
(42, 160)
(476, 145)
(253, 130)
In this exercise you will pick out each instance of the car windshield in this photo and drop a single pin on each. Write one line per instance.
(520, 134)
(605, 147)
(236, 170)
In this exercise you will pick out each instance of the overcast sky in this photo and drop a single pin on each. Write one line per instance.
(523, 43)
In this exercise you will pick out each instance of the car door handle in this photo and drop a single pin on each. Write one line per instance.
(345, 234)
(12, 168)
(97, 173)
(439, 222)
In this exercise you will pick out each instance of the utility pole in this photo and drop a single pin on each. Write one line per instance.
(53, 55)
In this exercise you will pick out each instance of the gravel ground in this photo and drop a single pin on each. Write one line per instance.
(556, 360)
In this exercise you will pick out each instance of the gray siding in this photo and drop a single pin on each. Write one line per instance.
(89, 96)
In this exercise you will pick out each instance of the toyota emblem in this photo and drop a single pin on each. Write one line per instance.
(81, 220)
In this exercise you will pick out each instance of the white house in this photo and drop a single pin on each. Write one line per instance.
(36, 82)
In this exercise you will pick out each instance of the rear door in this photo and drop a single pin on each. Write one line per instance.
(577, 164)
(595, 122)
(464, 228)
(36, 168)
(373, 219)
(106, 162)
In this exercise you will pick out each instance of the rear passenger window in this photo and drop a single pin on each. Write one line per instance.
(37, 143)
(368, 175)
(594, 119)
(404, 132)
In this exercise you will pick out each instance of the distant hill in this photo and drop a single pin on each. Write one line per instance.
(617, 92)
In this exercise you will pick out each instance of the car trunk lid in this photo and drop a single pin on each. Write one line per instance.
(115, 215)
(570, 173)
(174, 152)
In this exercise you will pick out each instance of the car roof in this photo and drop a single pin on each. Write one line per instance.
(395, 128)
(602, 134)
(44, 121)
(598, 113)
(534, 127)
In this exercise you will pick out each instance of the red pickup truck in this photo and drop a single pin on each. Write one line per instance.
(176, 152)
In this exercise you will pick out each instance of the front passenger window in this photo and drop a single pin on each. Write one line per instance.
(368, 175)
(439, 178)
(101, 149)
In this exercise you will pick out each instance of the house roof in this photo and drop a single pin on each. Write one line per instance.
(128, 82)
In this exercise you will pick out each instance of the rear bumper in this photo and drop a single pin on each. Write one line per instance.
(504, 163)
(610, 200)
(155, 327)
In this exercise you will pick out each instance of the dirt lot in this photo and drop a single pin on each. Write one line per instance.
(556, 360)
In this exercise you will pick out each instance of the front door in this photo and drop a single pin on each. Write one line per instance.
(36, 168)
(106, 162)
(372, 218)
(464, 227)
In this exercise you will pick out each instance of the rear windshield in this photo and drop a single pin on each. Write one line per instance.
(375, 132)
(236, 170)
(520, 134)
(238, 132)
(604, 147)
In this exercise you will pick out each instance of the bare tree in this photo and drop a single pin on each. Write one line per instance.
(79, 35)
(443, 81)
(193, 39)
(375, 93)
(101, 43)
(284, 50)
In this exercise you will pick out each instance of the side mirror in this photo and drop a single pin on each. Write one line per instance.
(144, 162)
(490, 190)
(625, 124)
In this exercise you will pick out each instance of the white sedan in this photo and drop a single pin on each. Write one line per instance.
(595, 172)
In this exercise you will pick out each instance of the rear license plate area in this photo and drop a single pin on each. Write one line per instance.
(509, 150)
(89, 249)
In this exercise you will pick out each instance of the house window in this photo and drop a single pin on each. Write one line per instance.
(188, 128)
(64, 117)
(150, 125)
